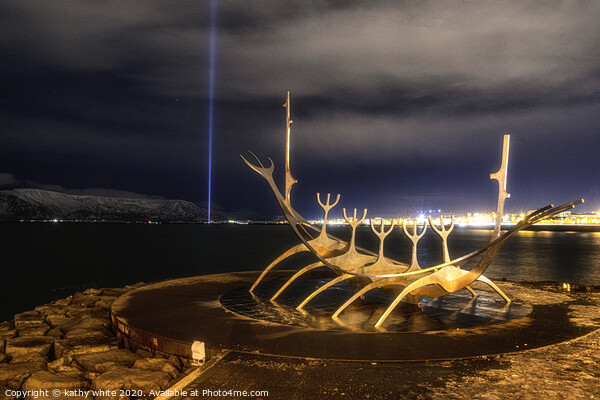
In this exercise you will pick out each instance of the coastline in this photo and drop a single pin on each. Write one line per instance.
(536, 227)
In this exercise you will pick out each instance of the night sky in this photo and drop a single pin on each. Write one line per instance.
(398, 106)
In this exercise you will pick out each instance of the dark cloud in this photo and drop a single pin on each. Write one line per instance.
(392, 101)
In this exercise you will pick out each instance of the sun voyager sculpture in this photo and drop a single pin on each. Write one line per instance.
(373, 271)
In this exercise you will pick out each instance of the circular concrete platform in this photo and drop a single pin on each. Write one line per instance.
(218, 310)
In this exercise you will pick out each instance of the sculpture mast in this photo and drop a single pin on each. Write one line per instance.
(500, 176)
(289, 179)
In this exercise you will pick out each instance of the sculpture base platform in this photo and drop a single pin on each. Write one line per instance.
(218, 310)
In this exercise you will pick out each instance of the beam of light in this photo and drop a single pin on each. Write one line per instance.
(211, 90)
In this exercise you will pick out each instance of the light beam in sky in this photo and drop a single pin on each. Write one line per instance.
(211, 90)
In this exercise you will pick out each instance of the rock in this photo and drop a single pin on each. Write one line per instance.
(82, 327)
(90, 375)
(49, 309)
(13, 375)
(105, 361)
(89, 345)
(2, 345)
(84, 300)
(62, 365)
(176, 362)
(132, 379)
(29, 347)
(105, 302)
(39, 330)
(4, 391)
(144, 353)
(29, 319)
(55, 332)
(91, 323)
(54, 365)
(157, 364)
(7, 331)
(43, 380)
(112, 397)
(94, 291)
(78, 312)
(87, 333)
(58, 320)
(62, 302)
(3, 358)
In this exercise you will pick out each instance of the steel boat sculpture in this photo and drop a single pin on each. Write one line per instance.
(374, 271)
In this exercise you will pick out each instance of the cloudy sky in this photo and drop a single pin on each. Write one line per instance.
(398, 106)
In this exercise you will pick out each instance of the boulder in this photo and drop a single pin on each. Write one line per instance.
(118, 397)
(29, 319)
(176, 362)
(105, 361)
(91, 375)
(105, 302)
(14, 374)
(94, 291)
(89, 345)
(55, 333)
(84, 300)
(7, 331)
(4, 393)
(87, 333)
(54, 365)
(58, 320)
(62, 302)
(132, 379)
(87, 323)
(38, 330)
(64, 365)
(43, 380)
(157, 364)
(79, 312)
(144, 353)
(51, 309)
(29, 347)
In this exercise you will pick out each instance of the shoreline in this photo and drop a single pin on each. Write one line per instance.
(537, 227)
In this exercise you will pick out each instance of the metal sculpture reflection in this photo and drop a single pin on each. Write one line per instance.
(375, 271)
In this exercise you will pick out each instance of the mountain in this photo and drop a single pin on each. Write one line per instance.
(36, 204)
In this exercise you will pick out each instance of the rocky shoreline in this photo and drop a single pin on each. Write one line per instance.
(70, 345)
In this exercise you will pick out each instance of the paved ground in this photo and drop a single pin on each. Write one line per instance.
(565, 371)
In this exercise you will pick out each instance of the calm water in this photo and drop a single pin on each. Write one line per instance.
(42, 262)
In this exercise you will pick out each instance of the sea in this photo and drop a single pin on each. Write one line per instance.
(41, 262)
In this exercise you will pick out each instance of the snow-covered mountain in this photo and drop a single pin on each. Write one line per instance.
(36, 204)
